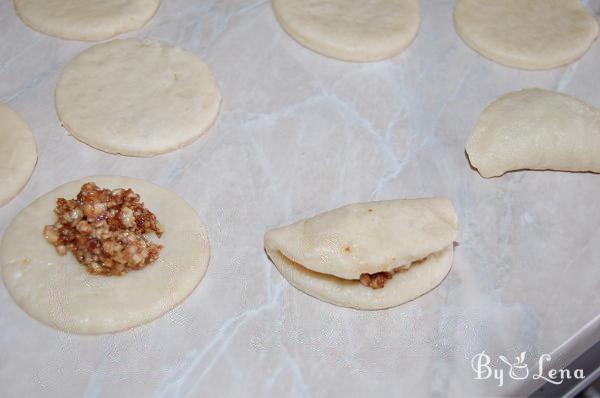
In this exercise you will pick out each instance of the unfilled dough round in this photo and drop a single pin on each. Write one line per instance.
(403, 287)
(18, 154)
(351, 30)
(137, 98)
(527, 34)
(85, 19)
(59, 292)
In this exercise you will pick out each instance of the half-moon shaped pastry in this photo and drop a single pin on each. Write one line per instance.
(370, 255)
(538, 130)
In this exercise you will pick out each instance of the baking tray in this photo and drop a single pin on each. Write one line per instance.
(298, 134)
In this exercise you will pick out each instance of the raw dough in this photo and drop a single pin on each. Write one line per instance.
(351, 30)
(324, 256)
(85, 19)
(536, 129)
(528, 34)
(137, 98)
(59, 292)
(18, 154)
(403, 287)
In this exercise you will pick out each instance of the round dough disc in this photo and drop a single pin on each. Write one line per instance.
(59, 292)
(527, 34)
(403, 287)
(85, 19)
(137, 98)
(18, 154)
(351, 30)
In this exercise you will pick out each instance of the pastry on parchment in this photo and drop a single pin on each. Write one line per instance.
(538, 130)
(369, 255)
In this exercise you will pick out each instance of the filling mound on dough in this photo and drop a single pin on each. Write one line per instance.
(104, 229)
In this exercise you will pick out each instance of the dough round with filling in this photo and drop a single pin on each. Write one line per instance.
(137, 98)
(326, 255)
(527, 34)
(351, 30)
(538, 130)
(59, 292)
(85, 19)
(18, 153)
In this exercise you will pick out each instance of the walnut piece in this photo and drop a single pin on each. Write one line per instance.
(379, 279)
(375, 281)
(104, 229)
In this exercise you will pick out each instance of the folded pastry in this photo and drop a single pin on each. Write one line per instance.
(536, 129)
(370, 255)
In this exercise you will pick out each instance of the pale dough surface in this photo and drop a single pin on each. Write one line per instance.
(527, 34)
(85, 19)
(59, 292)
(368, 237)
(403, 287)
(18, 153)
(137, 98)
(536, 129)
(325, 255)
(351, 30)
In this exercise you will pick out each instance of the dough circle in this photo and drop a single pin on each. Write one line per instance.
(88, 20)
(351, 30)
(137, 98)
(18, 153)
(59, 292)
(403, 287)
(527, 34)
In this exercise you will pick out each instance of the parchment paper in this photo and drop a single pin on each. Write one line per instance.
(299, 134)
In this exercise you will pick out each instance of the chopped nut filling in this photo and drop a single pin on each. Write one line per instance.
(375, 281)
(379, 279)
(104, 229)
